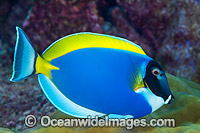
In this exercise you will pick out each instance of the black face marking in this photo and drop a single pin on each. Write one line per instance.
(156, 80)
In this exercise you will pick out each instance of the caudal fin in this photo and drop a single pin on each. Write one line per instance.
(24, 57)
(27, 61)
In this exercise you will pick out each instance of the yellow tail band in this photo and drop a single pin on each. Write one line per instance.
(43, 66)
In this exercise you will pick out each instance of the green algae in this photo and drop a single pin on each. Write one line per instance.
(5, 130)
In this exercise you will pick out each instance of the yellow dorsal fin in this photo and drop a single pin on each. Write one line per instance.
(43, 66)
(88, 40)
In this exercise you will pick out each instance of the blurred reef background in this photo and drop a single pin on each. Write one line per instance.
(167, 30)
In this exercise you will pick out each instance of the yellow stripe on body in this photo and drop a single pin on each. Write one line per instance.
(88, 40)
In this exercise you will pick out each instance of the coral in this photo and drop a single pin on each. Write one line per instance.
(19, 100)
(150, 18)
(182, 43)
(12, 13)
(51, 20)
(127, 31)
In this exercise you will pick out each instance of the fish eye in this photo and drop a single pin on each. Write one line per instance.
(156, 71)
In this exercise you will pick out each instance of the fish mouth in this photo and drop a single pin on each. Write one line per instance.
(169, 99)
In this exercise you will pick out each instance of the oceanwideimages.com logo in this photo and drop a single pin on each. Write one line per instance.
(47, 121)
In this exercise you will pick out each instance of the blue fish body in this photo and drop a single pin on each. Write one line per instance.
(93, 78)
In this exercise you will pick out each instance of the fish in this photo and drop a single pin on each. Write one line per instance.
(91, 74)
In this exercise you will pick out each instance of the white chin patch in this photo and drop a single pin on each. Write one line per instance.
(168, 99)
(154, 101)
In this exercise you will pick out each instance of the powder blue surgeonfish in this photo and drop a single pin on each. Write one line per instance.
(94, 74)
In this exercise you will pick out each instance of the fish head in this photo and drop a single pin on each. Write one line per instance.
(156, 80)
